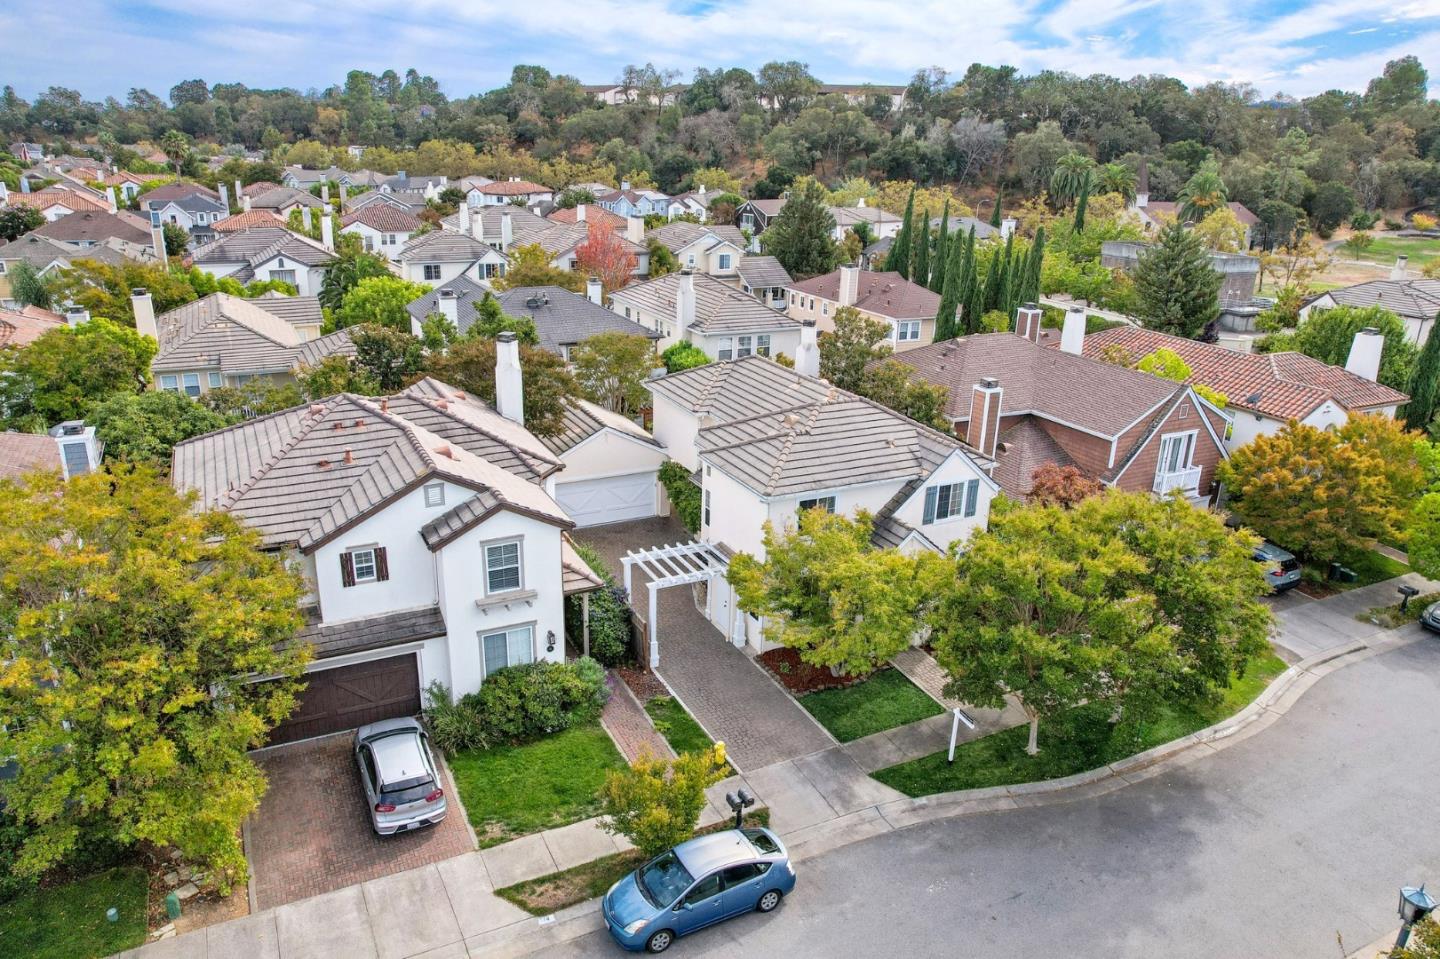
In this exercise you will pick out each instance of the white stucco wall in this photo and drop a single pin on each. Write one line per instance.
(307, 278)
(957, 469)
(414, 271)
(607, 453)
(676, 429)
(737, 516)
(1248, 425)
(376, 238)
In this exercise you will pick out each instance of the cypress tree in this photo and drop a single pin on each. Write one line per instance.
(941, 264)
(1080, 206)
(1176, 291)
(1425, 384)
(974, 298)
(995, 219)
(995, 279)
(1031, 291)
(952, 292)
(899, 257)
(920, 259)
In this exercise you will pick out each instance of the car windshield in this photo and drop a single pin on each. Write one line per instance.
(762, 842)
(663, 879)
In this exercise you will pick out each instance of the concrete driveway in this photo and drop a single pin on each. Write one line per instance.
(311, 834)
(721, 686)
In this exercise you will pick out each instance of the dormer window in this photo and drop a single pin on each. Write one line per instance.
(946, 500)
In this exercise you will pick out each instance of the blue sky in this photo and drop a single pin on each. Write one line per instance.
(1299, 47)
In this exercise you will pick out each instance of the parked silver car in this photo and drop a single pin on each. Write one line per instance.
(398, 774)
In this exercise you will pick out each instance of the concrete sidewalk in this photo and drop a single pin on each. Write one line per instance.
(1309, 628)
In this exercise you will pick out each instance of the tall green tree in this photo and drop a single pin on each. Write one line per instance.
(856, 341)
(131, 624)
(973, 289)
(29, 288)
(946, 321)
(1425, 385)
(920, 261)
(1081, 203)
(381, 300)
(611, 369)
(1030, 289)
(1176, 291)
(996, 217)
(67, 370)
(898, 259)
(802, 236)
(1073, 174)
(144, 427)
(994, 280)
(348, 269)
(941, 264)
(1204, 193)
(16, 221)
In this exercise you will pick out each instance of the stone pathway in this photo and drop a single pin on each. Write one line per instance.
(629, 725)
(921, 669)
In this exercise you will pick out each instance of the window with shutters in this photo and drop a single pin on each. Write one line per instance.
(502, 567)
(946, 500)
(365, 564)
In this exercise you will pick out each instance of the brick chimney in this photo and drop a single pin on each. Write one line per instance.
(1027, 322)
(1072, 334)
(849, 285)
(144, 307)
(509, 386)
(684, 303)
(982, 430)
(807, 356)
(1365, 350)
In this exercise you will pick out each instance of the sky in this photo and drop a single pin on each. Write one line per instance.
(1298, 47)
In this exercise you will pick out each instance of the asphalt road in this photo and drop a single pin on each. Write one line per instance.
(1268, 849)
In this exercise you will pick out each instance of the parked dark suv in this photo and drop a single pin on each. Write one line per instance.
(1282, 569)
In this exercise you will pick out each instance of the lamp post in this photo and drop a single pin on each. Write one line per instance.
(1415, 905)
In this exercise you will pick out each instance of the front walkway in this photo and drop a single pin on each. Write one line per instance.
(727, 693)
(628, 724)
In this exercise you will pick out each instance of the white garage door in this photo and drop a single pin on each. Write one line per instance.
(614, 499)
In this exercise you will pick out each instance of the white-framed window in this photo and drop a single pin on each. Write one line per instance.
(762, 344)
(362, 561)
(792, 299)
(745, 346)
(627, 312)
(724, 261)
(726, 349)
(827, 503)
(192, 384)
(169, 381)
(215, 380)
(502, 567)
(1177, 452)
(507, 647)
(2, 267)
(491, 270)
(706, 517)
(287, 276)
(907, 330)
(825, 308)
(432, 271)
(435, 494)
(369, 243)
(944, 500)
(388, 239)
(690, 259)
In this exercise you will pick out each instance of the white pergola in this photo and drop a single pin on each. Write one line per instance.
(678, 565)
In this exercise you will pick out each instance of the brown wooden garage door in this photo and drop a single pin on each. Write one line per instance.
(348, 696)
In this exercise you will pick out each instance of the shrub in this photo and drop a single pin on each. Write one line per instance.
(1364, 220)
(684, 495)
(609, 614)
(516, 704)
(1394, 224)
(683, 356)
(656, 804)
(1423, 222)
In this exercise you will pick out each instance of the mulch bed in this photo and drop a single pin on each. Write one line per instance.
(800, 677)
(642, 682)
(1316, 590)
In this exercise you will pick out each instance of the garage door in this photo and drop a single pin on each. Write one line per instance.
(348, 696)
(610, 500)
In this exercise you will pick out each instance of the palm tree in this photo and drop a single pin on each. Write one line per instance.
(176, 146)
(1116, 177)
(1203, 194)
(1072, 173)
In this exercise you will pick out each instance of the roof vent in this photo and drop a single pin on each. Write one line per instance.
(349, 456)
(445, 451)
(359, 423)
(384, 404)
(323, 464)
(338, 426)
(533, 302)
(790, 419)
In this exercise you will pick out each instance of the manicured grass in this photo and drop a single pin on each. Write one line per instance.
(678, 727)
(1384, 250)
(68, 922)
(546, 894)
(512, 791)
(884, 701)
(1370, 568)
(1074, 744)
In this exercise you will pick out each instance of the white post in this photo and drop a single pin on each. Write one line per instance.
(958, 718)
(625, 563)
(585, 624)
(654, 636)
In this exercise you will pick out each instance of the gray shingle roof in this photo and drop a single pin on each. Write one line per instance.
(234, 335)
(563, 318)
(298, 310)
(719, 308)
(283, 196)
(40, 251)
(1414, 299)
(883, 294)
(253, 247)
(523, 223)
(373, 632)
(763, 272)
(88, 226)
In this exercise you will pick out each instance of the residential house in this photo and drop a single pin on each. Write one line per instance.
(283, 199)
(511, 191)
(24, 325)
(561, 243)
(175, 191)
(91, 228)
(716, 318)
(130, 184)
(223, 340)
(501, 227)
(1266, 390)
(249, 220)
(299, 178)
(627, 202)
(907, 308)
(1154, 214)
(27, 152)
(56, 202)
(441, 256)
(614, 94)
(381, 228)
(70, 447)
(401, 182)
(471, 185)
(252, 190)
(589, 213)
(267, 253)
(302, 312)
(863, 94)
(765, 442)
(564, 320)
(764, 278)
(1416, 302)
(47, 256)
(1026, 406)
(195, 213)
(755, 216)
(880, 223)
(713, 250)
(408, 201)
(694, 203)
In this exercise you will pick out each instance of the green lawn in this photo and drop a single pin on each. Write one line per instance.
(1384, 250)
(884, 701)
(1370, 568)
(68, 922)
(678, 727)
(512, 791)
(1073, 744)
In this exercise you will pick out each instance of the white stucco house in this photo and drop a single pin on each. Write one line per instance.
(441, 256)
(713, 250)
(717, 318)
(382, 228)
(267, 253)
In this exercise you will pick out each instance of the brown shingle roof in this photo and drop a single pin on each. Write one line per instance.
(22, 452)
(26, 325)
(883, 294)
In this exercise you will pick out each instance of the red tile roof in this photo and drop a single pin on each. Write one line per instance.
(248, 220)
(594, 213)
(24, 326)
(45, 199)
(883, 294)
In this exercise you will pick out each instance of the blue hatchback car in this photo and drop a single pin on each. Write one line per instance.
(697, 884)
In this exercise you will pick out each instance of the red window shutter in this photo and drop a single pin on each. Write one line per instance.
(382, 564)
(347, 570)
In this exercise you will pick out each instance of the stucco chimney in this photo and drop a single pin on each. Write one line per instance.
(807, 355)
(239, 193)
(245, 204)
(1007, 227)
(1365, 353)
(1027, 322)
(449, 305)
(75, 316)
(4, 193)
(157, 237)
(635, 229)
(344, 196)
(684, 303)
(595, 291)
(849, 285)
(144, 307)
(1397, 272)
(464, 213)
(982, 430)
(860, 203)
(507, 232)
(24, 184)
(1072, 334)
(625, 186)
(307, 219)
(1142, 184)
(225, 197)
(327, 232)
(324, 191)
(509, 387)
(579, 213)
(110, 199)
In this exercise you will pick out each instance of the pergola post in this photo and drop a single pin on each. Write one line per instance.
(627, 564)
(654, 633)
(585, 622)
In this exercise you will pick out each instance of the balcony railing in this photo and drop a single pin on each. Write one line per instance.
(1187, 480)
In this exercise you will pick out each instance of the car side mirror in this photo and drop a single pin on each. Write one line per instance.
(686, 906)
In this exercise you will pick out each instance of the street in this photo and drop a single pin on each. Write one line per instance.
(1270, 848)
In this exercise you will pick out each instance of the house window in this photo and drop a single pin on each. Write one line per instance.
(945, 500)
(762, 344)
(490, 270)
(214, 380)
(169, 381)
(388, 240)
(627, 312)
(1176, 452)
(366, 564)
(502, 567)
(744, 348)
(369, 243)
(727, 348)
(792, 299)
(827, 503)
(706, 517)
(435, 494)
(507, 647)
(690, 260)
(287, 276)
(724, 261)
(432, 271)
(192, 385)
(907, 330)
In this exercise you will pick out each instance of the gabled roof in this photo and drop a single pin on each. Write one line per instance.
(22, 452)
(384, 218)
(255, 189)
(513, 188)
(594, 213)
(1022, 449)
(26, 325)
(296, 310)
(466, 419)
(256, 246)
(171, 191)
(40, 251)
(584, 419)
(411, 200)
(563, 318)
(763, 272)
(1412, 299)
(1172, 209)
(443, 246)
(190, 203)
(283, 196)
(249, 220)
(719, 308)
(1281, 386)
(235, 335)
(304, 475)
(91, 226)
(682, 233)
(883, 294)
(73, 200)
(523, 223)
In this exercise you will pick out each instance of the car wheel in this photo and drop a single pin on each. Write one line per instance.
(768, 901)
(660, 941)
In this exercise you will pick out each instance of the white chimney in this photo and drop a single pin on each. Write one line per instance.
(860, 203)
(306, 219)
(1365, 353)
(507, 232)
(1397, 272)
(701, 191)
(4, 193)
(239, 193)
(324, 191)
(684, 303)
(509, 386)
(327, 233)
(144, 308)
(110, 199)
(849, 285)
(344, 195)
(75, 316)
(1007, 227)
(594, 291)
(579, 213)
(245, 204)
(431, 191)
(24, 184)
(464, 213)
(1027, 322)
(625, 186)
(982, 430)
(807, 355)
(225, 198)
(635, 230)
(449, 306)
(157, 240)
(1072, 334)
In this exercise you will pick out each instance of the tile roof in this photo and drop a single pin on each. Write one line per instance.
(513, 188)
(249, 219)
(372, 632)
(1171, 209)
(466, 419)
(190, 203)
(298, 310)
(593, 214)
(384, 218)
(1281, 386)
(563, 318)
(234, 335)
(1413, 299)
(26, 325)
(719, 308)
(763, 272)
(283, 196)
(91, 226)
(257, 188)
(253, 247)
(883, 294)
(304, 475)
(443, 246)
(682, 233)
(43, 200)
(22, 452)
(576, 576)
(172, 191)
(848, 216)
(40, 251)
(412, 200)
(584, 419)
(523, 223)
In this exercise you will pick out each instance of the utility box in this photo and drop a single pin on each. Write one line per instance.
(172, 906)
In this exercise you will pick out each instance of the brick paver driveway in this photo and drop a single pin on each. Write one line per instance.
(311, 834)
(735, 702)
